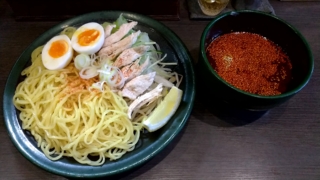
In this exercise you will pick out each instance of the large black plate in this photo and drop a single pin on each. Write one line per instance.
(149, 145)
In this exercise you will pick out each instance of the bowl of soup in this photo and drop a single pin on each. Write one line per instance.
(252, 60)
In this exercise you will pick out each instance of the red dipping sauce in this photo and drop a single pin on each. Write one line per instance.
(251, 63)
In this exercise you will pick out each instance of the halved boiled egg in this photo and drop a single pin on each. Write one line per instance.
(57, 52)
(88, 38)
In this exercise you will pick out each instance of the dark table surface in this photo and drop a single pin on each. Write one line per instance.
(284, 143)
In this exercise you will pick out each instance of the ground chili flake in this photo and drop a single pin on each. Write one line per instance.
(250, 62)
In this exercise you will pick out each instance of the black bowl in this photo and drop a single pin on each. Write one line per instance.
(274, 29)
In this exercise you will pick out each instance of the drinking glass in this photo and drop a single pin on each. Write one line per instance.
(212, 7)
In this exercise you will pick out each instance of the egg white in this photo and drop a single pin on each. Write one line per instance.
(53, 63)
(94, 46)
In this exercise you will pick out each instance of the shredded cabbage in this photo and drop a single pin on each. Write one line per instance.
(93, 65)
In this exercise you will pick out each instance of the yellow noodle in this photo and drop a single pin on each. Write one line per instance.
(66, 119)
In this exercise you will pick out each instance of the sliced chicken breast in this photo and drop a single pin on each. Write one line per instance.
(120, 33)
(129, 55)
(138, 85)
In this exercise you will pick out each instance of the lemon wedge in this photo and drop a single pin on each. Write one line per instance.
(164, 111)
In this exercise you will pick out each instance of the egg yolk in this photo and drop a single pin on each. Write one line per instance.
(58, 48)
(87, 37)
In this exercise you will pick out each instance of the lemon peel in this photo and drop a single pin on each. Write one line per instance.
(164, 111)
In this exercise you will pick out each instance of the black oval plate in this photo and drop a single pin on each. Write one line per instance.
(149, 144)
